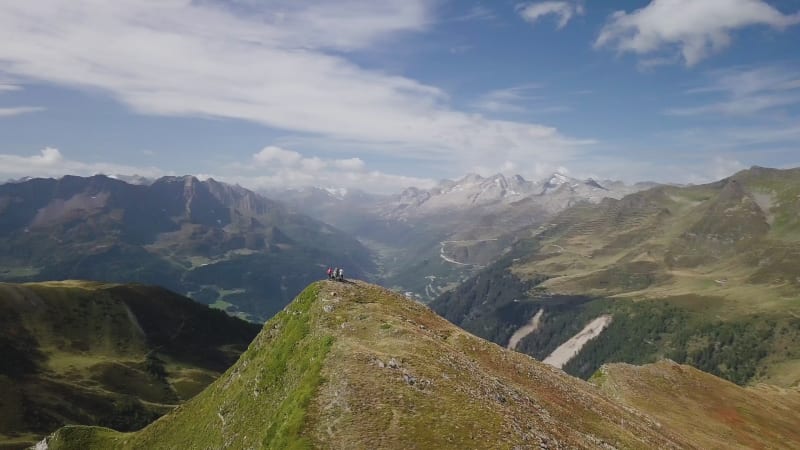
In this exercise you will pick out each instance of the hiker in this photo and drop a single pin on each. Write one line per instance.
(340, 274)
(330, 273)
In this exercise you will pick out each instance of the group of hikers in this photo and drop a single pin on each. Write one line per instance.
(336, 274)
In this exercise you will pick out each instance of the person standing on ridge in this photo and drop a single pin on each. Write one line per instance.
(330, 273)
(341, 274)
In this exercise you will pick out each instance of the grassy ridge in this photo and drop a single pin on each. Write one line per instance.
(350, 365)
(261, 401)
(710, 412)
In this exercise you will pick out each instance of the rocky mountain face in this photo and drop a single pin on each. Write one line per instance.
(104, 354)
(350, 365)
(474, 195)
(220, 244)
(705, 275)
(429, 240)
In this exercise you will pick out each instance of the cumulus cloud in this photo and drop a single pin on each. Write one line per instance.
(277, 155)
(286, 65)
(277, 167)
(697, 29)
(746, 92)
(272, 167)
(50, 162)
(351, 164)
(563, 10)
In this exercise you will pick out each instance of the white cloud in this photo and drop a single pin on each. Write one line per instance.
(272, 167)
(277, 155)
(697, 28)
(564, 11)
(15, 110)
(50, 162)
(6, 87)
(285, 65)
(19, 110)
(276, 167)
(517, 99)
(352, 164)
(477, 12)
(746, 92)
(507, 99)
(721, 167)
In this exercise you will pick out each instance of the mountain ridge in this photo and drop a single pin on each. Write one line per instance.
(221, 244)
(351, 365)
(706, 274)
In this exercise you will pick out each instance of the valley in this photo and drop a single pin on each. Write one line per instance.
(426, 242)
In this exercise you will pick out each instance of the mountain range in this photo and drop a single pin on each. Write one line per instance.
(351, 365)
(220, 244)
(429, 240)
(695, 285)
(705, 275)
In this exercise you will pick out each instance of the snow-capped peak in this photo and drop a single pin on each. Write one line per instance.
(558, 179)
(336, 192)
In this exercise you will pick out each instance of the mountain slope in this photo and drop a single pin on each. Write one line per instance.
(356, 366)
(93, 353)
(220, 244)
(709, 411)
(705, 275)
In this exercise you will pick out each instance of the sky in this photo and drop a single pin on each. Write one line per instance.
(385, 95)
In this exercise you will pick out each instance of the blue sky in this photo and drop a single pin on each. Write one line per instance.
(381, 95)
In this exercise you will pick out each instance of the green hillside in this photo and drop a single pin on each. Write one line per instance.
(90, 353)
(351, 365)
(706, 275)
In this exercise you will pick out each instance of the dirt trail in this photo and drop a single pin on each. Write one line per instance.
(525, 330)
(569, 349)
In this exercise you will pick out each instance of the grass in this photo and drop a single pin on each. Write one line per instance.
(710, 412)
(318, 376)
(268, 411)
(81, 438)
